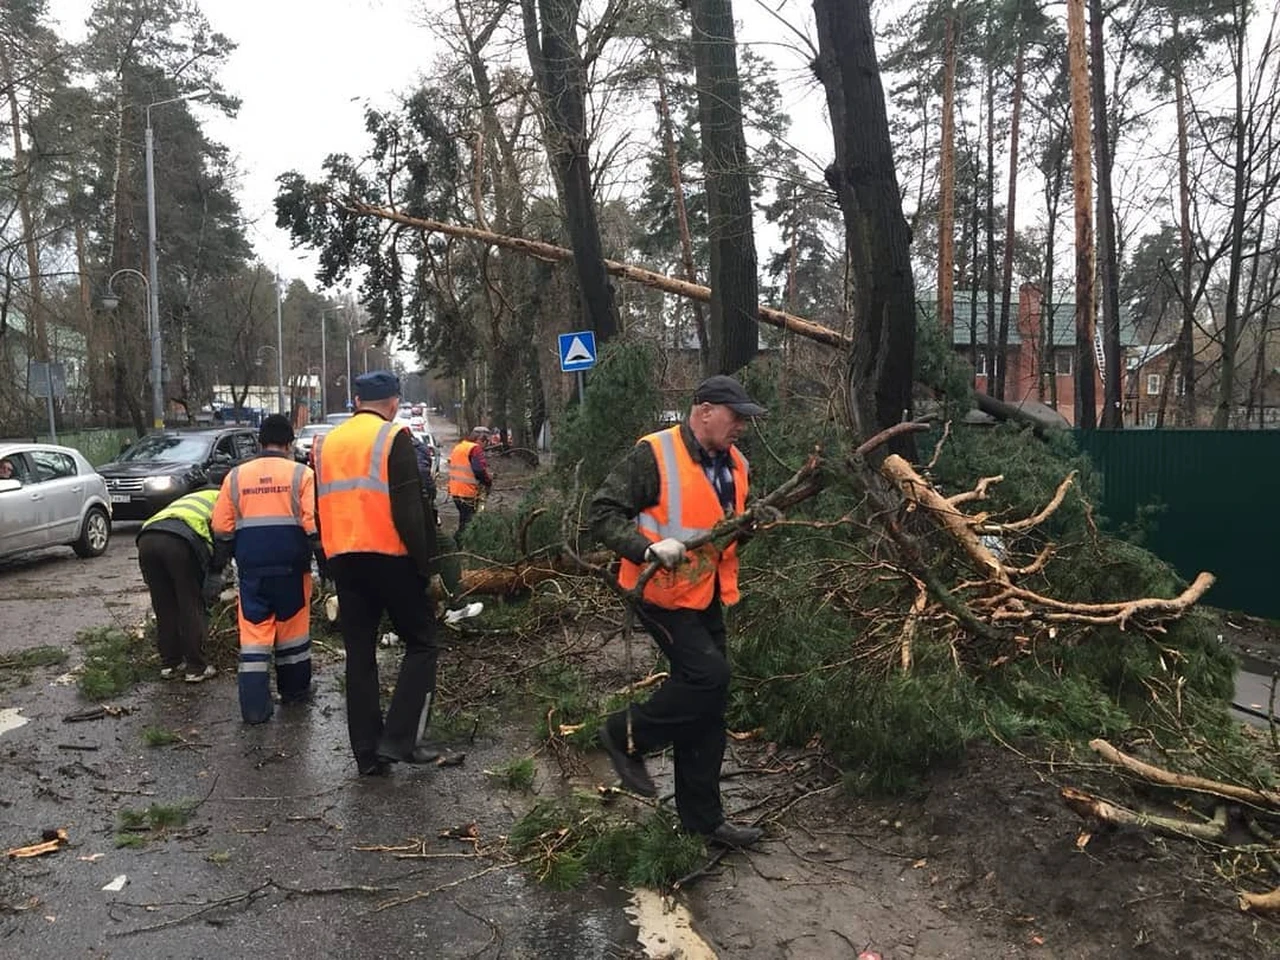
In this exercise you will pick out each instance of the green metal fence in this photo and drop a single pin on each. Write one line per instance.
(1219, 513)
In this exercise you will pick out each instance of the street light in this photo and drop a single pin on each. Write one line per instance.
(279, 347)
(324, 360)
(157, 371)
(109, 302)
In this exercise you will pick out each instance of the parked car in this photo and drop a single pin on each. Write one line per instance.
(306, 438)
(161, 467)
(51, 496)
(333, 419)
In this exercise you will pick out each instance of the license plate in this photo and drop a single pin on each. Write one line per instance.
(120, 498)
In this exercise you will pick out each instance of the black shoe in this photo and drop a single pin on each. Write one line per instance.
(417, 755)
(731, 835)
(630, 770)
(376, 767)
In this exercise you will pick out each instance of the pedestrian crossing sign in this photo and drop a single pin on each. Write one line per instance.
(577, 351)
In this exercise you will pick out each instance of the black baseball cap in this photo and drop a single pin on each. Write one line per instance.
(729, 392)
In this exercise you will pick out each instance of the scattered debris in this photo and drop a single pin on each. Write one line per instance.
(116, 885)
(95, 713)
(79, 746)
(50, 842)
(11, 719)
(451, 760)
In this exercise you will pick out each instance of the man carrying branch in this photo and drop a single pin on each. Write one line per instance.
(676, 485)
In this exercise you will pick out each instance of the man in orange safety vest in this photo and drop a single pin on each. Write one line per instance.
(265, 516)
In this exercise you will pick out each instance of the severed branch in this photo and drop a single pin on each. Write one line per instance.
(1088, 806)
(1118, 612)
(1028, 523)
(1183, 781)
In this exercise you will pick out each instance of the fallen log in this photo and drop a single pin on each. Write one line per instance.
(1088, 806)
(1260, 901)
(518, 577)
(1183, 781)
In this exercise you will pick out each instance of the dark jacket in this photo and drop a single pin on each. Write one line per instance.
(632, 486)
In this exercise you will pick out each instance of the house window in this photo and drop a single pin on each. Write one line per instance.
(1153, 384)
(980, 368)
(1149, 418)
(1179, 386)
(1062, 363)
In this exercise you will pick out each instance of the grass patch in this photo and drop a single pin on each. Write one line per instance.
(159, 737)
(515, 774)
(571, 840)
(134, 828)
(115, 660)
(43, 656)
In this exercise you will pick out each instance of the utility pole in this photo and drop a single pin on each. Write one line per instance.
(279, 348)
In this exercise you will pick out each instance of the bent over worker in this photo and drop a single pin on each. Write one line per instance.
(175, 549)
(265, 515)
(468, 472)
(674, 485)
(380, 549)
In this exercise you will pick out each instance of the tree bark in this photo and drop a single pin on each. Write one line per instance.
(731, 238)
(947, 200)
(881, 362)
(682, 218)
(1231, 311)
(1112, 387)
(1186, 339)
(557, 65)
(1006, 273)
(1082, 189)
(996, 346)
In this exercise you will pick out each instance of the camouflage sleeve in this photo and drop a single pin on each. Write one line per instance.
(631, 486)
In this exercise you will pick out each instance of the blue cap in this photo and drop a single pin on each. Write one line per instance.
(377, 385)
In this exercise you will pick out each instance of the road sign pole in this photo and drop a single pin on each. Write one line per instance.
(48, 377)
(580, 387)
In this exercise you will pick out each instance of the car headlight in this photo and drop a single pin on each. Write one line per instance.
(159, 484)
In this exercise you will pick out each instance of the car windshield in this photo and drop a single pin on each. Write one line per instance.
(312, 429)
(169, 448)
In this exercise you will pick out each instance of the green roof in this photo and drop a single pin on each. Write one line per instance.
(1064, 328)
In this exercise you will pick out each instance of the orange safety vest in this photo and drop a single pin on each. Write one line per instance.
(687, 507)
(353, 495)
(268, 506)
(462, 479)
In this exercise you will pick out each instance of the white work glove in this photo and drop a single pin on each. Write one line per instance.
(668, 553)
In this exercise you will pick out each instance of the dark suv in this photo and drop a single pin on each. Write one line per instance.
(161, 467)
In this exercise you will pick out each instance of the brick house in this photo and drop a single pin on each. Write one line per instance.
(1026, 377)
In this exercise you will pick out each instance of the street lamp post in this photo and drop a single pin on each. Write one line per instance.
(348, 369)
(157, 360)
(109, 302)
(324, 360)
(279, 349)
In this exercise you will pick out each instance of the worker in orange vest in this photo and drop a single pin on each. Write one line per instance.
(468, 473)
(265, 516)
(674, 485)
(381, 551)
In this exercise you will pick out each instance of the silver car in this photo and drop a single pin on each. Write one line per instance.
(51, 496)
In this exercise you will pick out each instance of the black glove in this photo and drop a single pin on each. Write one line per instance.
(322, 564)
(212, 588)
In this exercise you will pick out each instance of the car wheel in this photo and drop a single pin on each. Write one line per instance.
(95, 535)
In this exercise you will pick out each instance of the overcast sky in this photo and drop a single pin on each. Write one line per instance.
(306, 69)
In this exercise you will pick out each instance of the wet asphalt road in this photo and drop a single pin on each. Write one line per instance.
(278, 803)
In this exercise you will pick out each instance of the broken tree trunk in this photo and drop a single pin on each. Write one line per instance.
(550, 252)
(1183, 781)
(517, 577)
(1088, 806)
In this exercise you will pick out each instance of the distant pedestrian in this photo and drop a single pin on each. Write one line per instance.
(265, 516)
(674, 485)
(175, 547)
(468, 476)
(380, 551)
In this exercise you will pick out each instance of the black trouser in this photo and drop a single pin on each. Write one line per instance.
(175, 580)
(368, 584)
(687, 711)
(466, 510)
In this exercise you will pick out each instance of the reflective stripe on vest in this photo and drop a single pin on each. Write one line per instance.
(194, 509)
(687, 507)
(275, 519)
(462, 478)
(353, 489)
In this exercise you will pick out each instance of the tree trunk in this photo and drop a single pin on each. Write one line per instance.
(21, 179)
(682, 218)
(947, 200)
(996, 355)
(1186, 339)
(1231, 312)
(1082, 189)
(1112, 388)
(733, 280)
(557, 65)
(883, 354)
(1006, 273)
